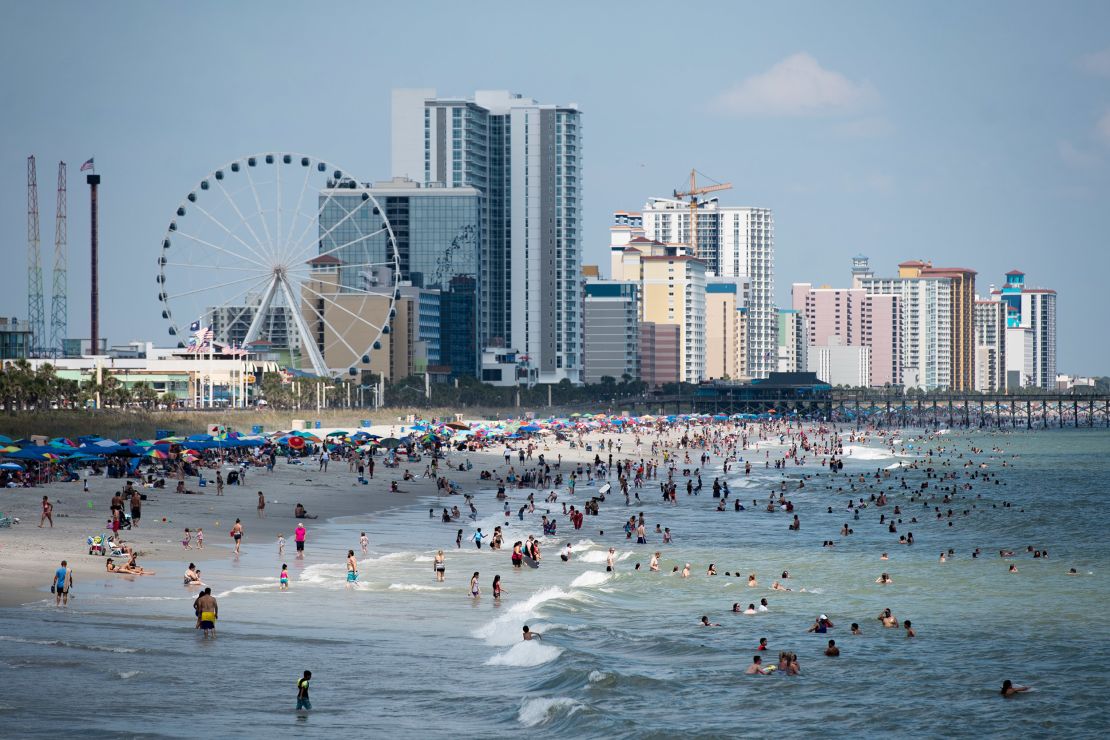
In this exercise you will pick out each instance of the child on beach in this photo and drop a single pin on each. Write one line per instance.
(281, 544)
(187, 539)
(200, 538)
(283, 579)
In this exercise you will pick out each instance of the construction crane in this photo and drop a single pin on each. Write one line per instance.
(693, 194)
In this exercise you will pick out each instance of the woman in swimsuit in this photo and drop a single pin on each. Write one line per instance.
(518, 556)
(497, 588)
(439, 565)
(475, 591)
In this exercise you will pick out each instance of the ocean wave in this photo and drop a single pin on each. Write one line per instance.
(600, 556)
(505, 629)
(590, 578)
(415, 587)
(74, 645)
(543, 709)
(250, 588)
(526, 654)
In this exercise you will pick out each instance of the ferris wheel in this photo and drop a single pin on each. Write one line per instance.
(285, 253)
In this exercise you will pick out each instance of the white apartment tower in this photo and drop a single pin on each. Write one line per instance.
(926, 323)
(734, 242)
(990, 345)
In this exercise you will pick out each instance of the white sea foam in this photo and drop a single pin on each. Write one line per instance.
(590, 578)
(127, 674)
(855, 452)
(525, 654)
(600, 556)
(597, 676)
(505, 629)
(542, 709)
(249, 588)
(415, 587)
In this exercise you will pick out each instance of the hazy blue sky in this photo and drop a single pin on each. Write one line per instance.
(974, 134)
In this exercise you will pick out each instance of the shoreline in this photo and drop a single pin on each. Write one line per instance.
(30, 554)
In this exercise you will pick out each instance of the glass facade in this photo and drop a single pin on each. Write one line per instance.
(438, 232)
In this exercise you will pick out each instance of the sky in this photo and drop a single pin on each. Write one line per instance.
(972, 134)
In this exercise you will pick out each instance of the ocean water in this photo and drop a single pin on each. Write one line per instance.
(621, 653)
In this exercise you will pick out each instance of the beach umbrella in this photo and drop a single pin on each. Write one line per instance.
(9, 448)
(62, 442)
(307, 436)
(297, 443)
(5, 440)
(199, 438)
(86, 455)
(157, 454)
(391, 443)
(11, 466)
(337, 433)
(457, 425)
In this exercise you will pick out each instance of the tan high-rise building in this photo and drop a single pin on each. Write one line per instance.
(672, 290)
(962, 313)
(726, 328)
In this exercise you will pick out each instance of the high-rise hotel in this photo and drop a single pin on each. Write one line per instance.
(524, 158)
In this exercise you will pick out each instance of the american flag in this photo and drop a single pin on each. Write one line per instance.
(202, 338)
(88, 165)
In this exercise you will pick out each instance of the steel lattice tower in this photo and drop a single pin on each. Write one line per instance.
(59, 307)
(35, 315)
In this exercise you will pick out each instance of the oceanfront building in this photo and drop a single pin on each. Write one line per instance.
(925, 318)
(672, 291)
(733, 241)
(438, 234)
(524, 159)
(790, 352)
(840, 318)
(1034, 311)
(990, 345)
(611, 343)
(726, 328)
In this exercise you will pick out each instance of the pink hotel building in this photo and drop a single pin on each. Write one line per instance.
(850, 317)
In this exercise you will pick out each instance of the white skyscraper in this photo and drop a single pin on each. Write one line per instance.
(734, 242)
(525, 159)
(1033, 309)
(926, 321)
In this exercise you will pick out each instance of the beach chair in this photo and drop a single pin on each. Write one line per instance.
(114, 550)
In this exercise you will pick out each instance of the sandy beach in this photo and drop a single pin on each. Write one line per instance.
(29, 555)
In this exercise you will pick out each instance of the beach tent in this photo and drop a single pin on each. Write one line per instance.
(10, 466)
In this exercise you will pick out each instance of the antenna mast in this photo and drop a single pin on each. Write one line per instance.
(59, 308)
(35, 317)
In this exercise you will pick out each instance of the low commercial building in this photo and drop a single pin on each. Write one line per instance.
(660, 361)
(612, 330)
(840, 364)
